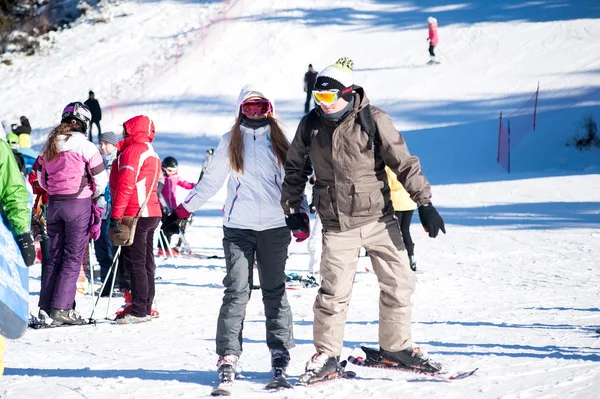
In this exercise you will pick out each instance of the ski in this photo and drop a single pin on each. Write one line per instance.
(207, 158)
(279, 381)
(36, 324)
(309, 380)
(374, 360)
(200, 256)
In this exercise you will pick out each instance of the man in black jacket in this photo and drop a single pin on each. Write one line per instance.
(309, 84)
(96, 111)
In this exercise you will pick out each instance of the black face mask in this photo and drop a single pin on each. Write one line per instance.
(338, 116)
(254, 123)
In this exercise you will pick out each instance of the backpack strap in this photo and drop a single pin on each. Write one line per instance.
(366, 121)
(309, 125)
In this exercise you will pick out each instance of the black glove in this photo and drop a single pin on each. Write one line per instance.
(171, 224)
(25, 243)
(115, 224)
(297, 222)
(431, 220)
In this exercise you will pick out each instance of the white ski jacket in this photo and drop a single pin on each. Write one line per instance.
(254, 197)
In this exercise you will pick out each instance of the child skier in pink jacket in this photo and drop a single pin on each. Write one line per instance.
(433, 37)
(168, 200)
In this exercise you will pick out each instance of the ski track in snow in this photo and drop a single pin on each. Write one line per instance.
(511, 289)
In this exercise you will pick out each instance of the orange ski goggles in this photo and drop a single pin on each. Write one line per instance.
(326, 96)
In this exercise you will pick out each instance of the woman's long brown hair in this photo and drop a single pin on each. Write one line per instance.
(51, 150)
(279, 143)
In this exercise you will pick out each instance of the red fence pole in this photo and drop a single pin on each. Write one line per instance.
(537, 92)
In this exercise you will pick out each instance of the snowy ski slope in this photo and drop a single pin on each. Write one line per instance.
(513, 288)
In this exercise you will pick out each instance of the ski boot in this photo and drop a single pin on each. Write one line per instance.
(411, 357)
(66, 316)
(319, 368)
(280, 359)
(226, 368)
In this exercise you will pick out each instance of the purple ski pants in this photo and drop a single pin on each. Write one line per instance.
(69, 231)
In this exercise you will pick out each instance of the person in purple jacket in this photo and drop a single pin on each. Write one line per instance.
(71, 170)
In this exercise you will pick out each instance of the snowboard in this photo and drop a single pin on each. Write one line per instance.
(372, 358)
(14, 287)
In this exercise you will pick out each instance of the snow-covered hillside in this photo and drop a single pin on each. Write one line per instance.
(513, 288)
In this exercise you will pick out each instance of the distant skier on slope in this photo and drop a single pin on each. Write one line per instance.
(251, 156)
(309, 83)
(433, 38)
(349, 143)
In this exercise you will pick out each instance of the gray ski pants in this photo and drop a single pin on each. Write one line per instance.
(269, 248)
(383, 241)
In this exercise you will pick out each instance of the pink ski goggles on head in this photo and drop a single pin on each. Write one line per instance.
(256, 107)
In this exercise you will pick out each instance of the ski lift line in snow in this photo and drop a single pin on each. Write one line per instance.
(147, 74)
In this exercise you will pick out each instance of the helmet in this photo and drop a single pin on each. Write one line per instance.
(78, 111)
(13, 141)
(169, 163)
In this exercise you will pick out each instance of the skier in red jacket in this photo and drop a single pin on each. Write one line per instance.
(131, 179)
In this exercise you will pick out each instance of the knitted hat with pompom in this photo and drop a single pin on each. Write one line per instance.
(338, 76)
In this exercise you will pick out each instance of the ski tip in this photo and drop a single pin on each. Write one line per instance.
(463, 374)
(359, 361)
(349, 374)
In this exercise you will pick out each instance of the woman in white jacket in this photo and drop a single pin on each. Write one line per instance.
(252, 155)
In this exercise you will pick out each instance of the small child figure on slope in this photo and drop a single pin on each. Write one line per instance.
(168, 200)
(433, 38)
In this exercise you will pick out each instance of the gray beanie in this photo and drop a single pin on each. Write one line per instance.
(109, 137)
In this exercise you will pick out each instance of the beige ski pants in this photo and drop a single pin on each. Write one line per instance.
(383, 241)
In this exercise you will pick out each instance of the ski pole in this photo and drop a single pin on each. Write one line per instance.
(167, 249)
(91, 270)
(442, 54)
(114, 277)
(184, 241)
(112, 267)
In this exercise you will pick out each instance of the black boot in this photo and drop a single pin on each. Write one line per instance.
(280, 358)
(320, 367)
(412, 358)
